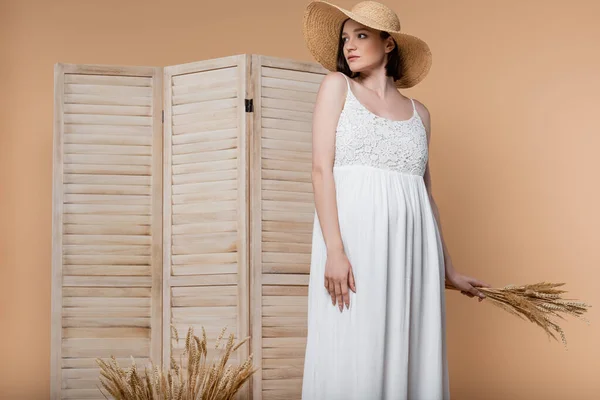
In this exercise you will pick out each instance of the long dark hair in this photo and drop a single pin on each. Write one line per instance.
(391, 68)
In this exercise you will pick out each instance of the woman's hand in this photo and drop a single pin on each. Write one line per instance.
(338, 277)
(467, 285)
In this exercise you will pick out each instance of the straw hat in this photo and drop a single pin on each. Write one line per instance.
(321, 28)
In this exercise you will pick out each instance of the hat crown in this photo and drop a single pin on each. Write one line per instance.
(379, 13)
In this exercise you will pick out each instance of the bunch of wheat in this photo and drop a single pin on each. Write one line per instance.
(536, 302)
(199, 382)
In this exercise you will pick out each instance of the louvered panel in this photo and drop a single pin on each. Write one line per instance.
(106, 222)
(206, 204)
(282, 225)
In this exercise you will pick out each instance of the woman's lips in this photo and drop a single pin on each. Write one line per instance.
(352, 58)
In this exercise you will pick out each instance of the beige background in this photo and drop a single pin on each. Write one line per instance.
(514, 94)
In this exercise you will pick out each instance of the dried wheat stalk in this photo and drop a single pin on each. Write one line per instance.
(201, 381)
(535, 302)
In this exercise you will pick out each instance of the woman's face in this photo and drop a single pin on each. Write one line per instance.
(363, 46)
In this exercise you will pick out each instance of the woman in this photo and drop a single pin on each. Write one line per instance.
(376, 317)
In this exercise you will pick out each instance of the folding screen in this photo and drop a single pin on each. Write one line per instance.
(182, 197)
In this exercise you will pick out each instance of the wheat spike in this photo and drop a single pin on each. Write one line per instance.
(535, 302)
(201, 381)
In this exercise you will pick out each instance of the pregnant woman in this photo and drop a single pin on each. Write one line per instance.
(376, 305)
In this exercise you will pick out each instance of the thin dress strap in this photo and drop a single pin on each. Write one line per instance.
(349, 91)
(413, 103)
(345, 77)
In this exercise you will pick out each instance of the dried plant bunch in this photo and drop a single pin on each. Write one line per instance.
(199, 381)
(537, 303)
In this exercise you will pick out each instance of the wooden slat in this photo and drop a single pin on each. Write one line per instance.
(288, 206)
(133, 140)
(100, 302)
(290, 155)
(287, 217)
(282, 394)
(69, 291)
(108, 159)
(306, 74)
(279, 100)
(285, 279)
(107, 281)
(90, 363)
(106, 332)
(286, 145)
(286, 237)
(285, 268)
(105, 129)
(283, 363)
(287, 166)
(273, 290)
(285, 331)
(214, 166)
(105, 322)
(210, 269)
(117, 229)
(276, 185)
(284, 226)
(292, 321)
(272, 247)
(283, 373)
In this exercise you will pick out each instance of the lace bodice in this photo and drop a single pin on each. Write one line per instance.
(363, 138)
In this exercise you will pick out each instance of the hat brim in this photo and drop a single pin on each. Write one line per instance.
(321, 29)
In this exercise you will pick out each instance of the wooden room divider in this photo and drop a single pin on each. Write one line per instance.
(182, 197)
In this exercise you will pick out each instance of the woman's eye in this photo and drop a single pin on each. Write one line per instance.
(359, 35)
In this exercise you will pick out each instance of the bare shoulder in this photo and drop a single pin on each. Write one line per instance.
(424, 114)
(335, 76)
(328, 108)
(332, 93)
(334, 83)
(422, 110)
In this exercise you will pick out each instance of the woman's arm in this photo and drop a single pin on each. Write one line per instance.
(425, 117)
(447, 260)
(328, 106)
(466, 284)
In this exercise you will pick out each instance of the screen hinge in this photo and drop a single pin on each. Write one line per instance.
(249, 105)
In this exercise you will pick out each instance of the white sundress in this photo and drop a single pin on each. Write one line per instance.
(390, 343)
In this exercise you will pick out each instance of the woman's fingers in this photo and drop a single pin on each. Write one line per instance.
(339, 289)
(330, 289)
(474, 292)
(351, 282)
(338, 295)
(345, 293)
(478, 283)
(482, 284)
(477, 292)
